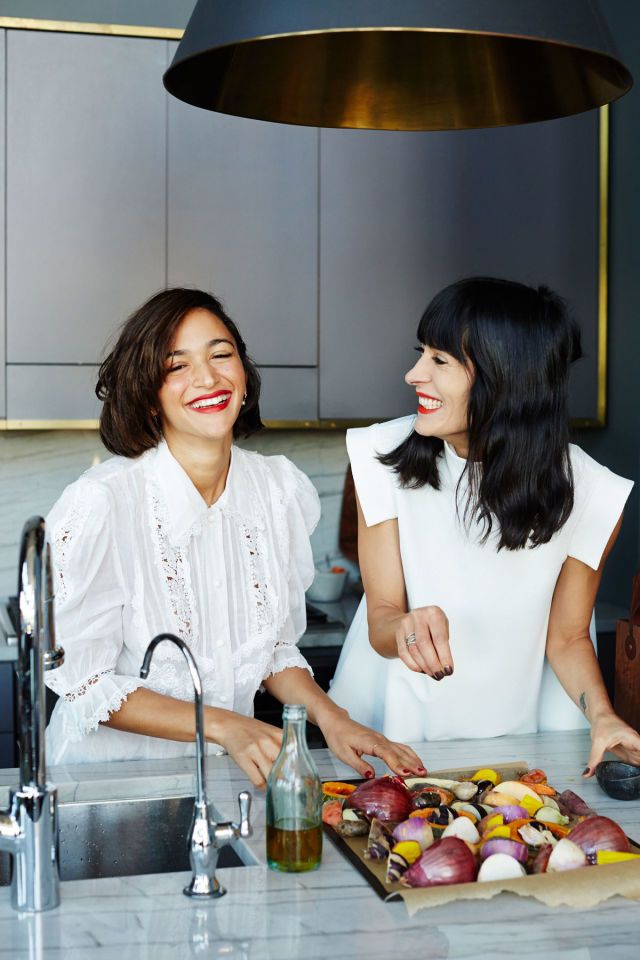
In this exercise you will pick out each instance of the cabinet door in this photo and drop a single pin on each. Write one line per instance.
(243, 223)
(86, 133)
(3, 102)
(404, 214)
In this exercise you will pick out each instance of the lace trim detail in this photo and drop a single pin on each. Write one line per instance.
(83, 689)
(62, 537)
(174, 567)
(112, 705)
(262, 591)
(286, 655)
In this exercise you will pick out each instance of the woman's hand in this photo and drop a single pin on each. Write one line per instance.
(422, 638)
(609, 732)
(253, 745)
(350, 741)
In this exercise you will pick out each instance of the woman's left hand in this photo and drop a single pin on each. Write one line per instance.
(350, 741)
(609, 732)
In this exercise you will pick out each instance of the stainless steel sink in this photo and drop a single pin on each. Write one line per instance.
(119, 838)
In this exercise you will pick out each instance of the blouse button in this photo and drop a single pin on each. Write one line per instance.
(217, 584)
(222, 698)
(211, 518)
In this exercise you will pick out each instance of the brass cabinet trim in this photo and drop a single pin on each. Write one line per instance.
(106, 29)
(327, 424)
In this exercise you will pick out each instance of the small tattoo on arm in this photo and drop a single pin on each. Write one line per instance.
(582, 700)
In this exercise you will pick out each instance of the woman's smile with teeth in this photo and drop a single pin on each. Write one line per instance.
(429, 403)
(216, 401)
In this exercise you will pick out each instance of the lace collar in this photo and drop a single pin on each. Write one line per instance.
(185, 508)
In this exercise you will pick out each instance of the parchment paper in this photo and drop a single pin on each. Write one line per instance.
(581, 888)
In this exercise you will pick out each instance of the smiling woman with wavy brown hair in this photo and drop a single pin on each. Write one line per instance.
(185, 532)
(131, 376)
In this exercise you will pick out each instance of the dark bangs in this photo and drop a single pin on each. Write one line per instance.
(521, 342)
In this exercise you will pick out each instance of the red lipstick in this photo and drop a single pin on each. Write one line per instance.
(211, 407)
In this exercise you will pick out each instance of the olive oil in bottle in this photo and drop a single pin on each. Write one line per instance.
(294, 801)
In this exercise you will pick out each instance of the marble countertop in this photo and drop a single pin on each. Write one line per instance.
(330, 913)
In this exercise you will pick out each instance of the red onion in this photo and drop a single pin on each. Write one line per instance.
(599, 833)
(542, 859)
(447, 861)
(512, 848)
(512, 812)
(386, 798)
(415, 828)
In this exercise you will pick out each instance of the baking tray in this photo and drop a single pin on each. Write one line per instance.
(374, 871)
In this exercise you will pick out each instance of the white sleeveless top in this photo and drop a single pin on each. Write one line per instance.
(137, 552)
(498, 603)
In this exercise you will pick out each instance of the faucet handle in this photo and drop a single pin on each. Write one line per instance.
(244, 828)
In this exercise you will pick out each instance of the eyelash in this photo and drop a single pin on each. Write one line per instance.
(435, 359)
(215, 356)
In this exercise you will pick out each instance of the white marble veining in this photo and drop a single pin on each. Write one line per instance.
(331, 913)
(36, 466)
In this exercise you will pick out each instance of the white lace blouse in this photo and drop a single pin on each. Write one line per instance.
(137, 552)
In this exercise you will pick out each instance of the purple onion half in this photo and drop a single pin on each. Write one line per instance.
(512, 848)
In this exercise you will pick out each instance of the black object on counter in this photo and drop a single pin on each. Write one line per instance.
(620, 780)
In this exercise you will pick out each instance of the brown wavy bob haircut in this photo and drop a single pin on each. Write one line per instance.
(131, 376)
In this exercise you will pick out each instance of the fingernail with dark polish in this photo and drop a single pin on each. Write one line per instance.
(448, 671)
(586, 770)
(438, 675)
(368, 774)
(422, 769)
(406, 771)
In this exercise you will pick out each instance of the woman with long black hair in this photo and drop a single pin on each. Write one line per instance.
(482, 535)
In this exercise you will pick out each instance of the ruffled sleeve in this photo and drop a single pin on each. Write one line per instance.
(375, 483)
(599, 500)
(89, 599)
(302, 512)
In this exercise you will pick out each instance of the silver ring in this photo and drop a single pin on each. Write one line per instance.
(410, 639)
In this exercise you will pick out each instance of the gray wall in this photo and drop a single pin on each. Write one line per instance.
(618, 444)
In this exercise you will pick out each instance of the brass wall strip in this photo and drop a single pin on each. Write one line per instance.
(165, 33)
(11, 425)
(106, 29)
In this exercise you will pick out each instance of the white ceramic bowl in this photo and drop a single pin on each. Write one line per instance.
(327, 587)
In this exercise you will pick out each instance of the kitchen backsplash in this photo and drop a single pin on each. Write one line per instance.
(35, 467)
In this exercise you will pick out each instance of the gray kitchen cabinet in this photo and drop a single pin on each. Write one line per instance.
(404, 214)
(56, 392)
(243, 223)
(3, 103)
(7, 723)
(86, 202)
(64, 392)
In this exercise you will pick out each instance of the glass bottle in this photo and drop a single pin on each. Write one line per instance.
(294, 800)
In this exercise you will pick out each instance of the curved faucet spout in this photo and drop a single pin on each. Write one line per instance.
(28, 829)
(37, 649)
(206, 836)
(201, 796)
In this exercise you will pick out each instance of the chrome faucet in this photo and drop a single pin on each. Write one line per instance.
(29, 828)
(206, 836)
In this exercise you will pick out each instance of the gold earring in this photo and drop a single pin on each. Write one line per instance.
(244, 400)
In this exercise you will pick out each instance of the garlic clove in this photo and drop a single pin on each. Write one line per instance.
(463, 828)
(566, 855)
(500, 866)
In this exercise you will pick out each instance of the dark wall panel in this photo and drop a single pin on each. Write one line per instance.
(405, 214)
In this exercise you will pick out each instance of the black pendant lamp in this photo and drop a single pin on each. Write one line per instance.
(397, 64)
